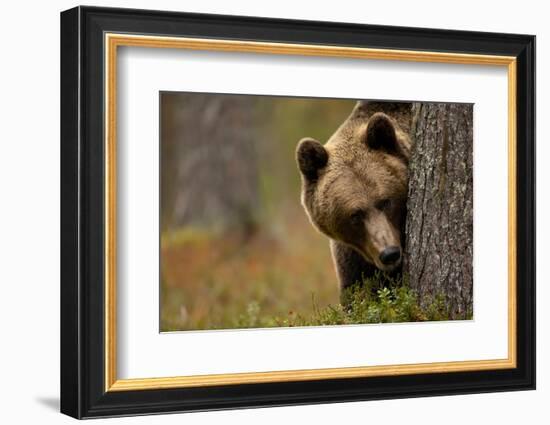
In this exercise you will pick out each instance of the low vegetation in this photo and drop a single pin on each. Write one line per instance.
(367, 303)
(210, 281)
(250, 291)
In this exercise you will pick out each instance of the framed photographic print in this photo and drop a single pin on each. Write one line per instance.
(261, 212)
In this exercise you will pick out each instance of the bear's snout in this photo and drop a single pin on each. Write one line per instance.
(390, 255)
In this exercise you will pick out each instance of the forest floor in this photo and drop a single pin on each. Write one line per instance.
(224, 281)
(282, 278)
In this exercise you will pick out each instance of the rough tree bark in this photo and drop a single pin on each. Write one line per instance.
(439, 229)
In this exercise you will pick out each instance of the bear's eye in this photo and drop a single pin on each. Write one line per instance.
(383, 205)
(357, 217)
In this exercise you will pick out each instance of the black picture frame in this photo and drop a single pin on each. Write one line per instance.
(83, 392)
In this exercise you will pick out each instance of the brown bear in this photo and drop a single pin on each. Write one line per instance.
(354, 189)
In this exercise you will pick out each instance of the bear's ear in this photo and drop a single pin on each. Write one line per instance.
(381, 133)
(311, 157)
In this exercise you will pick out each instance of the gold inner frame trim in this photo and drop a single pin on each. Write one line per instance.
(113, 41)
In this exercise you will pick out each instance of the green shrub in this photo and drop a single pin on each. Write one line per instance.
(378, 299)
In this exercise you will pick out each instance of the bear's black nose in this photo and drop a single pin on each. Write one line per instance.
(390, 255)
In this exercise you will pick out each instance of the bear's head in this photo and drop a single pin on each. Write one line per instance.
(354, 188)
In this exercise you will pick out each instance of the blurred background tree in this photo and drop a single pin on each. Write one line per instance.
(209, 162)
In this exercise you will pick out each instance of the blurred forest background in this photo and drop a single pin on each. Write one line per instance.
(237, 249)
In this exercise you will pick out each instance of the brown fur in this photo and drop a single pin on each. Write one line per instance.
(354, 188)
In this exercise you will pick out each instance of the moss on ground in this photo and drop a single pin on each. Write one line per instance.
(366, 302)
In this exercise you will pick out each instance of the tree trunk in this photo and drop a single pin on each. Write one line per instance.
(439, 230)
